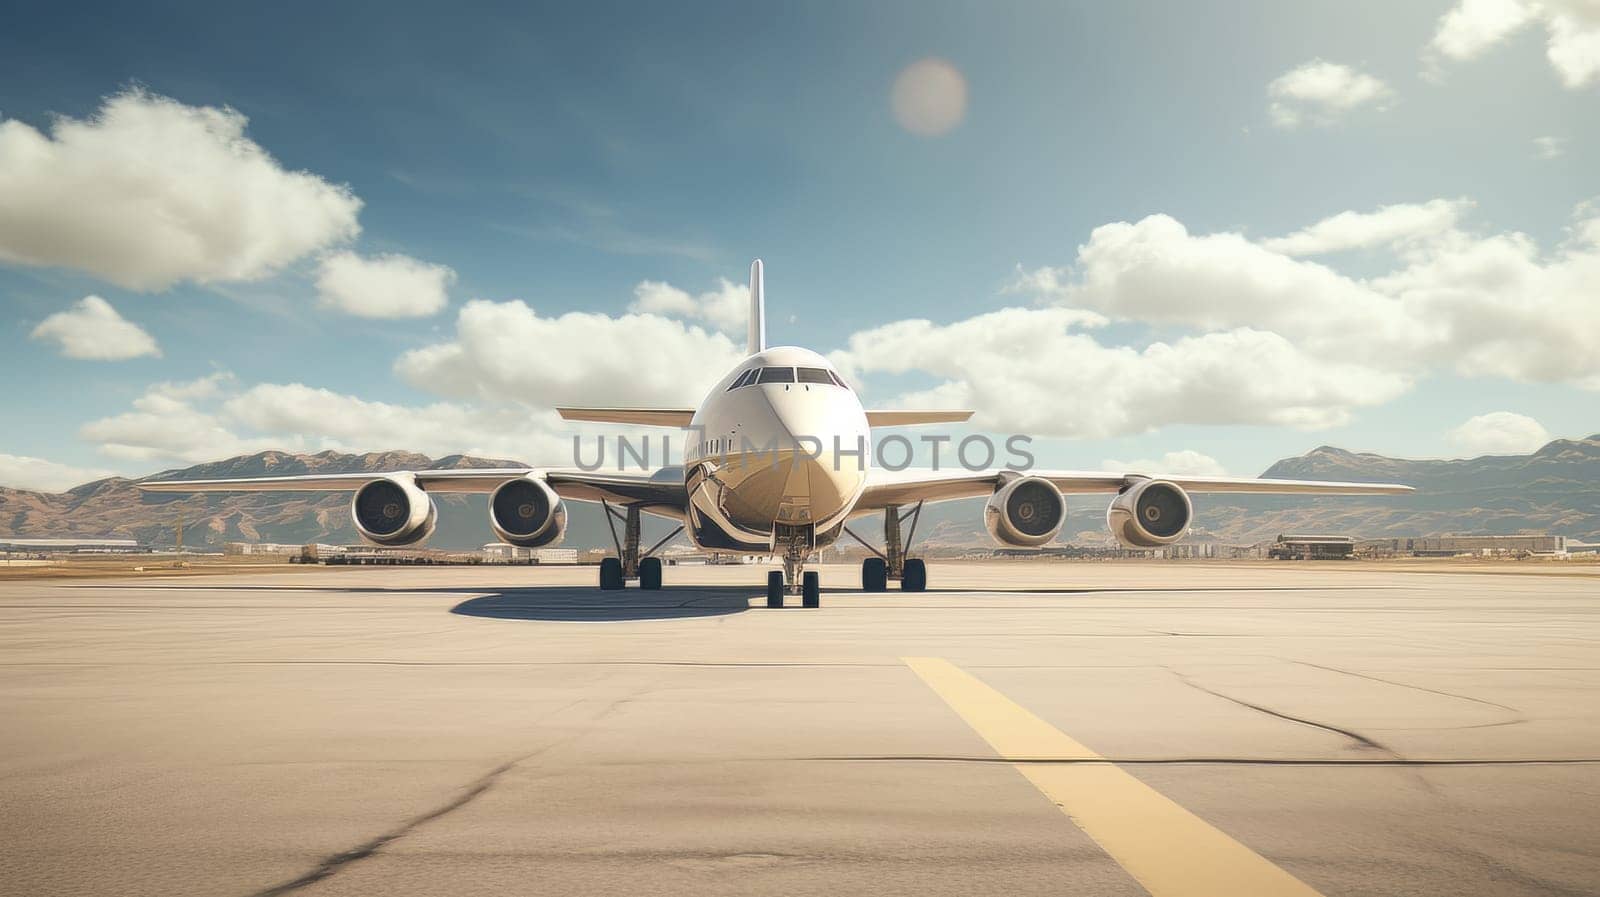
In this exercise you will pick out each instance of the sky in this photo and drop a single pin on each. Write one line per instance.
(1186, 237)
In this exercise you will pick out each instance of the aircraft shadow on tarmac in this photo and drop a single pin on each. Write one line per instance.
(588, 604)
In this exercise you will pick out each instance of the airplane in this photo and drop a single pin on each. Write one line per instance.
(781, 464)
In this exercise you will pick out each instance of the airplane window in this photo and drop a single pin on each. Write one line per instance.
(745, 378)
(814, 375)
(837, 379)
(777, 375)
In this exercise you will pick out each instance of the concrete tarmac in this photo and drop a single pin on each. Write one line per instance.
(1022, 728)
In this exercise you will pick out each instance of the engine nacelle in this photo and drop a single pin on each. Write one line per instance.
(1150, 514)
(527, 513)
(393, 510)
(1026, 512)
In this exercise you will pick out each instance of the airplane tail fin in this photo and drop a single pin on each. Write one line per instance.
(758, 308)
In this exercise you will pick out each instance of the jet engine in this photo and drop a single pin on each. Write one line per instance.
(527, 513)
(1150, 514)
(1026, 512)
(393, 510)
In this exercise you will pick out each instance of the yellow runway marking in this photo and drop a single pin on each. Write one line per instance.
(1167, 849)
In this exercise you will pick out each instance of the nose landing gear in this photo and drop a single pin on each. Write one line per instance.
(797, 544)
(810, 589)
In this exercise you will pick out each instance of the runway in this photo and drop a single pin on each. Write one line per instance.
(1046, 728)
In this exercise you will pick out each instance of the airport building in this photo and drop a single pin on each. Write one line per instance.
(501, 553)
(38, 547)
(1452, 546)
(1312, 548)
(261, 548)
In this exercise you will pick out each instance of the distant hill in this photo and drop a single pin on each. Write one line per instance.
(116, 508)
(1556, 489)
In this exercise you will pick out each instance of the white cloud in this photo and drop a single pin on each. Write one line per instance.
(1320, 92)
(1030, 371)
(929, 97)
(338, 421)
(1572, 32)
(1472, 26)
(1549, 147)
(505, 351)
(169, 422)
(1500, 433)
(1497, 306)
(727, 308)
(215, 417)
(150, 191)
(39, 475)
(383, 286)
(1222, 329)
(1180, 463)
(92, 330)
(1156, 272)
(1387, 226)
(1481, 305)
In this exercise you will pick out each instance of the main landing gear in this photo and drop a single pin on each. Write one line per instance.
(892, 563)
(630, 562)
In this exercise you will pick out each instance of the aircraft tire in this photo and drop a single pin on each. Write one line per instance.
(874, 575)
(774, 588)
(915, 576)
(610, 574)
(811, 589)
(650, 573)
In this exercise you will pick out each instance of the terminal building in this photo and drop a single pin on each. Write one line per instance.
(1453, 546)
(35, 547)
(1312, 548)
(500, 552)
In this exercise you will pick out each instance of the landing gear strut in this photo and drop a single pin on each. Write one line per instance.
(796, 543)
(630, 562)
(892, 563)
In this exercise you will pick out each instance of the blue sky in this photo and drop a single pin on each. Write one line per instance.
(563, 157)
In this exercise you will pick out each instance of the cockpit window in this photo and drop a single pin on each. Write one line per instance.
(777, 375)
(815, 375)
(839, 380)
(745, 379)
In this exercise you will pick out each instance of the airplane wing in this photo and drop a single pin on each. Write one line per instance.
(649, 417)
(662, 488)
(909, 486)
(910, 417)
(680, 417)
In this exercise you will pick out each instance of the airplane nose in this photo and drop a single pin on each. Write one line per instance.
(820, 482)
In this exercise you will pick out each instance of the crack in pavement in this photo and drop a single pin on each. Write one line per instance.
(1357, 737)
(1361, 740)
(1432, 691)
(332, 864)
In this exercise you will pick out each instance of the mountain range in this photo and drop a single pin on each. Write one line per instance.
(1555, 489)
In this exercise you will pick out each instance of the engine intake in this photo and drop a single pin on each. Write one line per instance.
(1026, 512)
(527, 513)
(1150, 514)
(393, 510)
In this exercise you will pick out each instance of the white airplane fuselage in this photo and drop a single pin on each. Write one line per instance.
(772, 465)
